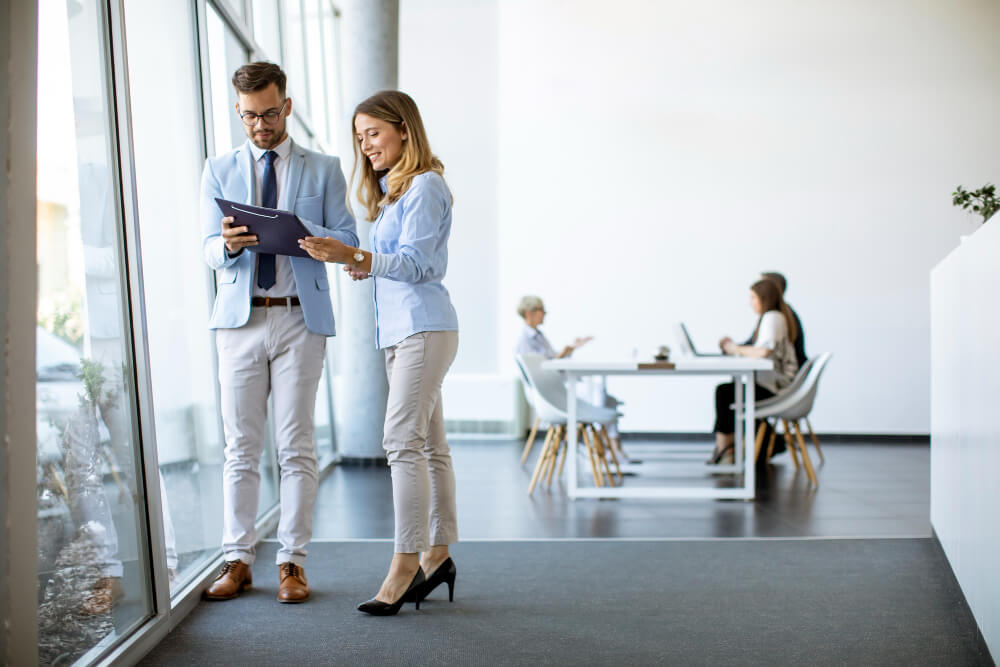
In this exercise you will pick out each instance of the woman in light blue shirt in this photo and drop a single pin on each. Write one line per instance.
(403, 191)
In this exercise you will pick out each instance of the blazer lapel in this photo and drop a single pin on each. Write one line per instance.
(295, 163)
(244, 159)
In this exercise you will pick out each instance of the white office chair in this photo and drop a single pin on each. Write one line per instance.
(790, 407)
(550, 402)
(529, 394)
(800, 377)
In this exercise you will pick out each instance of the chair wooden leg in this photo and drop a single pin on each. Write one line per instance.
(530, 441)
(550, 465)
(551, 469)
(759, 443)
(562, 461)
(549, 435)
(770, 442)
(602, 455)
(790, 442)
(815, 441)
(805, 455)
(592, 454)
(603, 432)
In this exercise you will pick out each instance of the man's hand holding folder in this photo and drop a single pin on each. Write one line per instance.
(238, 237)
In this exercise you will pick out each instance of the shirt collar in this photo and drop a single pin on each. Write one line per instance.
(284, 149)
(382, 183)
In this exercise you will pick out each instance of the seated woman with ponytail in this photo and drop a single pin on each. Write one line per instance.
(773, 338)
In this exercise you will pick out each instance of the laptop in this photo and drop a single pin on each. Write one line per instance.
(687, 345)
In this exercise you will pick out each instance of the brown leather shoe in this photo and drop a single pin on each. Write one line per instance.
(234, 578)
(292, 587)
(106, 592)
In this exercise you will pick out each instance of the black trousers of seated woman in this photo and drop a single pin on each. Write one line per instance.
(725, 419)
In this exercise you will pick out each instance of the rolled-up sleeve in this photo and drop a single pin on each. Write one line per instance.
(421, 255)
(771, 327)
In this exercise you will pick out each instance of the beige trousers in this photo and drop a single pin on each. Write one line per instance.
(272, 354)
(423, 482)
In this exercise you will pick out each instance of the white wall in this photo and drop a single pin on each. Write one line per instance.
(965, 375)
(638, 163)
(448, 63)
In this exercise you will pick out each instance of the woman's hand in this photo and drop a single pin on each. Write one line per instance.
(355, 274)
(728, 346)
(326, 249)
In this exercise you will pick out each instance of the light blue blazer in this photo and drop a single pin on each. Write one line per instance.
(319, 202)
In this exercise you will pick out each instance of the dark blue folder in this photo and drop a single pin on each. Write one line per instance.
(278, 232)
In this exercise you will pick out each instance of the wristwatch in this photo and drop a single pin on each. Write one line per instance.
(358, 257)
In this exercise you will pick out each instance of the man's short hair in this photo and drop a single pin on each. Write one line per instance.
(777, 278)
(257, 76)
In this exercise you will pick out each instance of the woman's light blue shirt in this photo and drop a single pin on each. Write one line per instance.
(409, 243)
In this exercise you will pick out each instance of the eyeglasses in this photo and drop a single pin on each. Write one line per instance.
(269, 117)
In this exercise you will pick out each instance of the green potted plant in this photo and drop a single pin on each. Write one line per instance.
(982, 201)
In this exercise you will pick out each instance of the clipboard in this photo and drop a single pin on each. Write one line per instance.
(278, 232)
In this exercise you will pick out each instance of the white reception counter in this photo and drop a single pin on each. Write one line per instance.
(965, 420)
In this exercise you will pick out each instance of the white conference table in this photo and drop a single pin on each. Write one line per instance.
(741, 369)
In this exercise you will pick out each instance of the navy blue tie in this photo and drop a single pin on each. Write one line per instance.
(268, 199)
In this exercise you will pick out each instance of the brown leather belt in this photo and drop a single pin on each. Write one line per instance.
(268, 301)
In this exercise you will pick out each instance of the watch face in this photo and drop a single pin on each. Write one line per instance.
(359, 257)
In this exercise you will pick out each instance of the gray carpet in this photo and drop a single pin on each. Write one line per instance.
(824, 602)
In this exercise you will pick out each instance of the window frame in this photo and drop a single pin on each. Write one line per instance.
(167, 611)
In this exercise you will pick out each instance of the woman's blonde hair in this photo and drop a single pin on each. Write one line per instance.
(399, 109)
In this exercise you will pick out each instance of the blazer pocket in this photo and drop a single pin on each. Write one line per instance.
(322, 283)
(310, 208)
(228, 276)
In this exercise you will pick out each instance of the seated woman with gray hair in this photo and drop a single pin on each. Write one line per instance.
(532, 341)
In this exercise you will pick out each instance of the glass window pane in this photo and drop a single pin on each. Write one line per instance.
(318, 107)
(238, 8)
(188, 437)
(92, 537)
(325, 441)
(298, 132)
(295, 54)
(266, 29)
(335, 111)
(225, 55)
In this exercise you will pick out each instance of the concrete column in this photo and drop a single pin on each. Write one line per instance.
(18, 527)
(370, 31)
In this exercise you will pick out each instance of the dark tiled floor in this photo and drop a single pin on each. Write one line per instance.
(866, 490)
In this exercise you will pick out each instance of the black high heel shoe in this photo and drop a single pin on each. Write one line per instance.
(379, 608)
(718, 456)
(444, 573)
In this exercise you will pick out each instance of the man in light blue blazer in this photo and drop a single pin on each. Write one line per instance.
(272, 315)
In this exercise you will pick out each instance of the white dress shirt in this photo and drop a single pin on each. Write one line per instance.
(284, 283)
